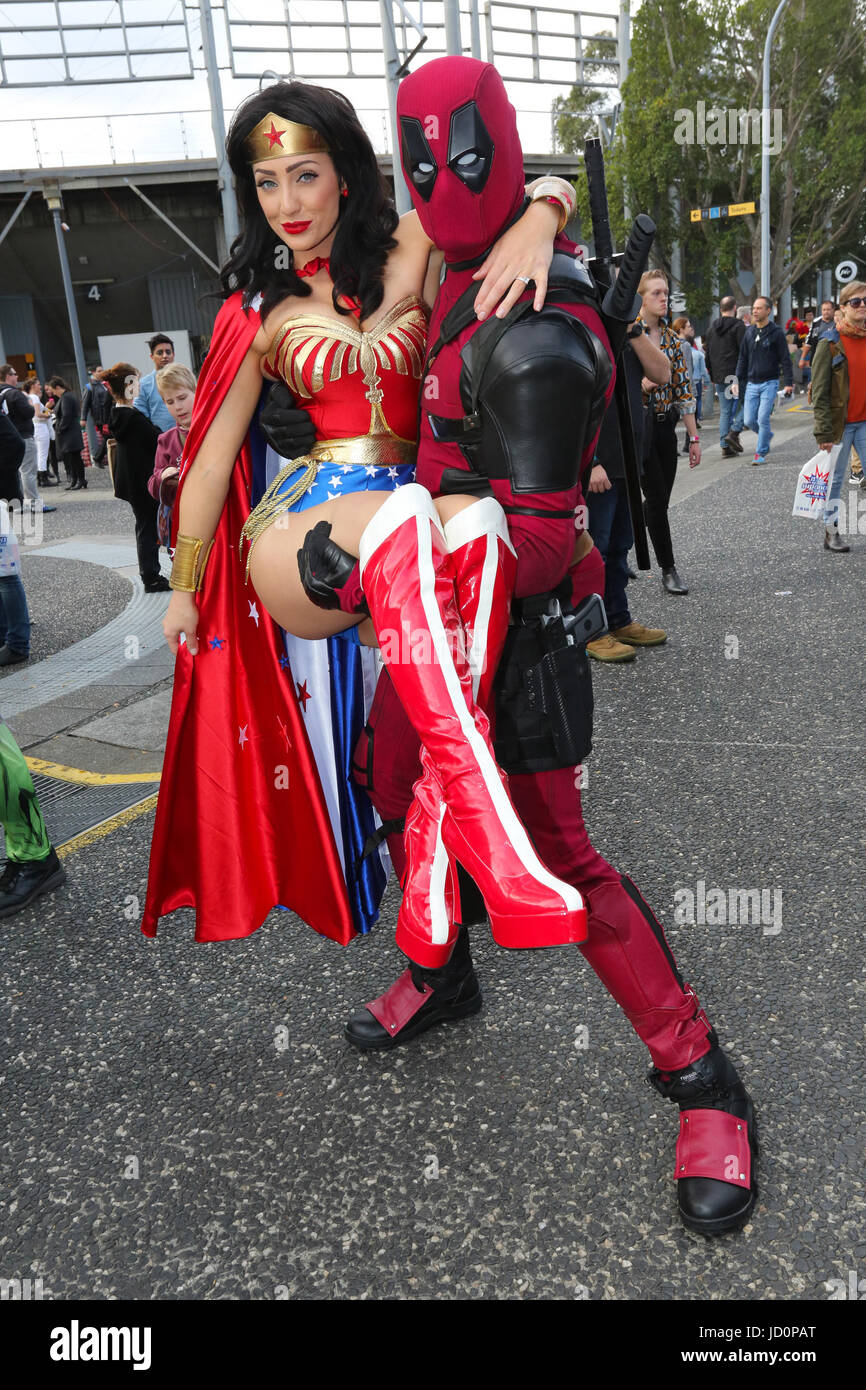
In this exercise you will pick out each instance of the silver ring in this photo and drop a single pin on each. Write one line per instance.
(527, 279)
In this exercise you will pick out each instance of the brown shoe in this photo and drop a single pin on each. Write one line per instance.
(608, 649)
(636, 635)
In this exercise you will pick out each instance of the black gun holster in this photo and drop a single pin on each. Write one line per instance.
(543, 687)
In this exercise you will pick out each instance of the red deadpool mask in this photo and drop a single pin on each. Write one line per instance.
(461, 153)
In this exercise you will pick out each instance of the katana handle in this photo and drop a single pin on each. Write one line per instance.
(619, 302)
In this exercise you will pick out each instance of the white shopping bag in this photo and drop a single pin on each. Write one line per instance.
(813, 483)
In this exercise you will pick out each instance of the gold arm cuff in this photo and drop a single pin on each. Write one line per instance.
(561, 192)
(190, 558)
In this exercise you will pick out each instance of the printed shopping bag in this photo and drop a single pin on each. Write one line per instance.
(813, 483)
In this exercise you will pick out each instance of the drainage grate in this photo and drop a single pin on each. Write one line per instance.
(70, 808)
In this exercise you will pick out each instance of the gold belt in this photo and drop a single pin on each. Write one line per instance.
(381, 449)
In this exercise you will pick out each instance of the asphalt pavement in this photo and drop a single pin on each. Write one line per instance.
(187, 1121)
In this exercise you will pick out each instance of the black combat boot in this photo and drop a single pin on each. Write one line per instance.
(717, 1148)
(23, 881)
(418, 1000)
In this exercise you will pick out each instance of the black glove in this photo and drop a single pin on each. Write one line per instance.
(286, 427)
(324, 567)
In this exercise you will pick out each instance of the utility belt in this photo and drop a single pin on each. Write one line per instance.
(464, 482)
(543, 687)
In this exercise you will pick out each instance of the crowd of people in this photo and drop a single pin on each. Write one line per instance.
(749, 362)
(36, 429)
(139, 425)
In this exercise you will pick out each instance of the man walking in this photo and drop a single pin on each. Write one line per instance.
(607, 503)
(839, 399)
(763, 355)
(724, 341)
(148, 400)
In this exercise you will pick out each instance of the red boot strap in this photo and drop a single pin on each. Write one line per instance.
(397, 1005)
(714, 1144)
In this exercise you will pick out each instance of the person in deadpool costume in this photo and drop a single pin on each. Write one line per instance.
(511, 412)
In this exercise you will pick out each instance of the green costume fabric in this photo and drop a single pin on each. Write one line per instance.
(26, 836)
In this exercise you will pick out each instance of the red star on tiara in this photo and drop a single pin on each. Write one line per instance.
(275, 136)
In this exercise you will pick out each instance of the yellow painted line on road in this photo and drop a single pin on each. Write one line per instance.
(89, 779)
(98, 832)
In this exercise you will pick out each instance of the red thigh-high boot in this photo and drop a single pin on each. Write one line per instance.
(408, 579)
(484, 567)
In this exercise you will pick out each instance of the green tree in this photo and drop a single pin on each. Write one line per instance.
(666, 161)
(576, 115)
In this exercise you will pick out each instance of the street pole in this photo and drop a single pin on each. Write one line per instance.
(624, 48)
(231, 220)
(402, 200)
(624, 37)
(474, 29)
(74, 329)
(765, 155)
(453, 42)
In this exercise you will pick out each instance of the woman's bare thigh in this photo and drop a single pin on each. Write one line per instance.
(274, 563)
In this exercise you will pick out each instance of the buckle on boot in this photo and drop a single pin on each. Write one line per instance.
(714, 1144)
(399, 1004)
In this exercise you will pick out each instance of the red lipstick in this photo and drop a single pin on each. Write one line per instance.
(294, 228)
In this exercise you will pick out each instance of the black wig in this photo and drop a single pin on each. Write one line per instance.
(367, 219)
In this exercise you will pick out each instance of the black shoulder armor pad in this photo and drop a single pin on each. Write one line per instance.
(569, 278)
(539, 401)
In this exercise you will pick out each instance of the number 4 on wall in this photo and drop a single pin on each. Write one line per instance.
(93, 293)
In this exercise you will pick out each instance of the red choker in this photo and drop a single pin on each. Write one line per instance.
(318, 263)
(313, 267)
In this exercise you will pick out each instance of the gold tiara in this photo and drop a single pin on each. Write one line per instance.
(274, 137)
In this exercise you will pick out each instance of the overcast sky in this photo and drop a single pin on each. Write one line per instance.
(145, 120)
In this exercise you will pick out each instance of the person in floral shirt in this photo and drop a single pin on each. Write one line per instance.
(667, 404)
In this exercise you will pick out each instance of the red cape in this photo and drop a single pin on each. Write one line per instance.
(241, 823)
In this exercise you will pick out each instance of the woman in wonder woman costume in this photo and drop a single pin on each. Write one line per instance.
(326, 292)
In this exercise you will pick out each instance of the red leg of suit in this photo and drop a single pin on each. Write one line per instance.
(625, 945)
(587, 577)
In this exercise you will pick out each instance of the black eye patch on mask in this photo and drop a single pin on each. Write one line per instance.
(417, 156)
(470, 148)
